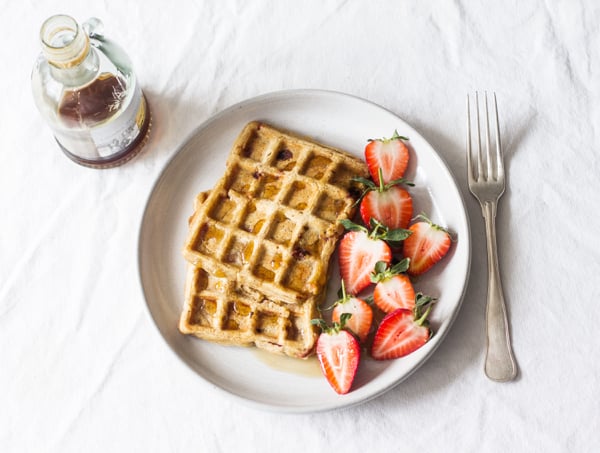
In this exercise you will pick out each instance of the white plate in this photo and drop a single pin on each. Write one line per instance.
(340, 120)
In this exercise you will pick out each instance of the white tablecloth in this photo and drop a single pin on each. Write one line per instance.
(83, 368)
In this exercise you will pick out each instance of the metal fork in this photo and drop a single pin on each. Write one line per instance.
(486, 182)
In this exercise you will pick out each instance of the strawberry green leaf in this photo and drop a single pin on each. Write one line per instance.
(380, 231)
(351, 226)
(397, 235)
(364, 182)
(397, 136)
(376, 226)
(335, 327)
(383, 272)
(401, 266)
(422, 299)
(369, 186)
(344, 318)
(380, 272)
(423, 217)
(423, 302)
(380, 267)
(321, 323)
(369, 299)
(397, 182)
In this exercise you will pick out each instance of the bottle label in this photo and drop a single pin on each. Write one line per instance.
(109, 137)
(117, 134)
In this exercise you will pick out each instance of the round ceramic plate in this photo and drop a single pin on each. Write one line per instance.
(339, 120)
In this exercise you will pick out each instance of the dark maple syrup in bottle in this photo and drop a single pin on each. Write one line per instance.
(85, 88)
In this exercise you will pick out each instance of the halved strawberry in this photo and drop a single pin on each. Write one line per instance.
(393, 288)
(427, 244)
(362, 314)
(360, 250)
(402, 331)
(338, 353)
(387, 203)
(389, 154)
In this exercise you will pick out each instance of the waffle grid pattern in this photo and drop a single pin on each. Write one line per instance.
(217, 309)
(272, 220)
(260, 242)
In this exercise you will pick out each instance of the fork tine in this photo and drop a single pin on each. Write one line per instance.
(479, 156)
(499, 162)
(488, 145)
(469, 163)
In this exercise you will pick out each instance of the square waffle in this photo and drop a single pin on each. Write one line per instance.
(271, 223)
(219, 310)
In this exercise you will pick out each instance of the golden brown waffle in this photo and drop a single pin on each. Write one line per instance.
(218, 310)
(271, 223)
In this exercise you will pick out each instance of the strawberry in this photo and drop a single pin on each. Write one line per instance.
(389, 154)
(362, 314)
(338, 353)
(427, 244)
(402, 331)
(393, 288)
(387, 203)
(360, 250)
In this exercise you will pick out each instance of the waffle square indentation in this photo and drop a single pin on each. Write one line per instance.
(316, 166)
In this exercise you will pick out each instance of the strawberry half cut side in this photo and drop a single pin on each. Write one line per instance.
(360, 250)
(389, 154)
(427, 245)
(388, 203)
(362, 314)
(403, 331)
(338, 353)
(393, 288)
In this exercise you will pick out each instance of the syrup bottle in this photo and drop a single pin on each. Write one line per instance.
(85, 88)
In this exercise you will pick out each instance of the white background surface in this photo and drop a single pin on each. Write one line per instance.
(82, 368)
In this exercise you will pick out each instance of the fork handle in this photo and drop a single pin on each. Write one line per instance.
(500, 364)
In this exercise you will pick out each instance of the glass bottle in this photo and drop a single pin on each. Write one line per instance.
(85, 88)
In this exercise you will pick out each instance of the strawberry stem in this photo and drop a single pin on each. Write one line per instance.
(383, 272)
(321, 323)
(365, 182)
(377, 226)
(396, 136)
(344, 297)
(379, 272)
(335, 327)
(397, 182)
(400, 266)
(423, 217)
(391, 236)
(344, 317)
(369, 185)
(423, 318)
(422, 301)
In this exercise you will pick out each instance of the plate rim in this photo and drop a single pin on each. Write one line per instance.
(286, 408)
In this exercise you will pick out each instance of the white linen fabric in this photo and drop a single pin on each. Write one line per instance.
(82, 366)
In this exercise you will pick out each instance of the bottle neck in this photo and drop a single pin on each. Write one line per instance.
(66, 47)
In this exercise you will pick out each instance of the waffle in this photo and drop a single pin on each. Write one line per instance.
(219, 310)
(271, 223)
